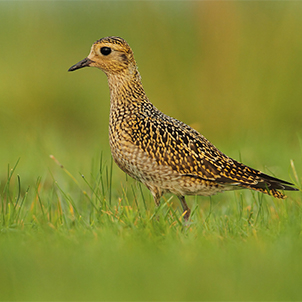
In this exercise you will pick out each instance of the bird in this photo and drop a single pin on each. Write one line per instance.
(163, 153)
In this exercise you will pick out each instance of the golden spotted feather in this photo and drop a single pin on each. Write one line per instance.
(158, 150)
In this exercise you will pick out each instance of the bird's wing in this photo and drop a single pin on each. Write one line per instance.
(175, 144)
(229, 171)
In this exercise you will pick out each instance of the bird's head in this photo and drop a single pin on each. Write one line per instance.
(113, 55)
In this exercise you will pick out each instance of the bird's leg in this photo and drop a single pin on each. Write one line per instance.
(186, 209)
(156, 193)
(156, 198)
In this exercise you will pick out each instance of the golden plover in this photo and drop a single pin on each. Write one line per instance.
(163, 153)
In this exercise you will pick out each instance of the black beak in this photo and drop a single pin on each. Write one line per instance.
(84, 63)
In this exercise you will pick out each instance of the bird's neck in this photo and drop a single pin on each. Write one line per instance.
(126, 88)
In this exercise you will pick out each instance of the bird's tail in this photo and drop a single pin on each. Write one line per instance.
(270, 185)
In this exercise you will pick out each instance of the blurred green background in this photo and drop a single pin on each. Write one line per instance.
(232, 70)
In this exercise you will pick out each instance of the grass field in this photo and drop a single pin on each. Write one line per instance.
(74, 227)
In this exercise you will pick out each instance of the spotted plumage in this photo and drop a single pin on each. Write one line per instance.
(158, 150)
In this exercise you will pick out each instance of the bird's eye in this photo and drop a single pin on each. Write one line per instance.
(105, 51)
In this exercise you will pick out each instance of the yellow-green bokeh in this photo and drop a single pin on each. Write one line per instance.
(233, 70)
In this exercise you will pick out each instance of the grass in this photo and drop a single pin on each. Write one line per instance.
(73, 226)
(79, 240)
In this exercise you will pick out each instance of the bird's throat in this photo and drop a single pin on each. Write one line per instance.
(125, 89)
